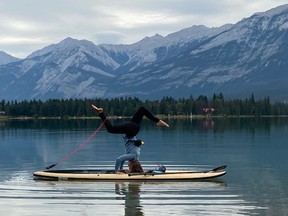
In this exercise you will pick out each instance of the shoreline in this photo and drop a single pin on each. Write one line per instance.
(127, 117)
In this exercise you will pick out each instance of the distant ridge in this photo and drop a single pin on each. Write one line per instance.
(6, 58)
(234, 59)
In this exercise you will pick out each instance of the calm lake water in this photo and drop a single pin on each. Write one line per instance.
(255, 151)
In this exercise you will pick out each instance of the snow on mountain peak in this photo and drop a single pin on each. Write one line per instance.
(149, 42)
(195, 32)
(250, 27)
(274, 11)
(235, 54)
(70, 42)
(64, 45)
(274, 18)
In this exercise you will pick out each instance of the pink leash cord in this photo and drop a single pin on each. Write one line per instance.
(79, 147)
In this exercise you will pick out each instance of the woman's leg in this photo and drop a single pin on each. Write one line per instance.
(121, 160)
(130, 129)
(142, 111)
(138, 116)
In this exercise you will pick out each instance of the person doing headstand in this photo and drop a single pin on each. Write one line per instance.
(130, 129)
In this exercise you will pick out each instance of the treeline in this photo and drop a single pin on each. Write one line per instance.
(127, 106)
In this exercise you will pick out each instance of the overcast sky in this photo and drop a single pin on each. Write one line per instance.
(29, 25)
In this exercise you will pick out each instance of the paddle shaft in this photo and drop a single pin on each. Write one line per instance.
(217, 169)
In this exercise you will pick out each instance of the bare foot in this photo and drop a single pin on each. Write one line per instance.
(162, 123)
(120, 173)
(97, 109)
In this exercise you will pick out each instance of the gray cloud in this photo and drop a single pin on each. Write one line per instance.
(28, 25)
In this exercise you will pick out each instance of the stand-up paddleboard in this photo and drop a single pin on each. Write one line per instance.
(150, 175)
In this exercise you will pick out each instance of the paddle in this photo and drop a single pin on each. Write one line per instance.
(217, 169)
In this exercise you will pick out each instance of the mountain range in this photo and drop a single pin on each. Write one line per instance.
(249, 57)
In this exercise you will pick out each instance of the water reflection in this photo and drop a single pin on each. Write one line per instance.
(130, 199)
(130, 192)
(228, 124)
(51, 124)
(250, 123)
(254, 149)
(181, 198)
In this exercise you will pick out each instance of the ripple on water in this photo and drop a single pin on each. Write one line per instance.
(22, 195)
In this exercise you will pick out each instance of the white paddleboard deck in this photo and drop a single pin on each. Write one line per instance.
(90, 174)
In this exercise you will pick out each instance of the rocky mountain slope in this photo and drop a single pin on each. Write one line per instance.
(237, 60)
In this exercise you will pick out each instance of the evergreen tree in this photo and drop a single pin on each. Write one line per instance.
(127, 106)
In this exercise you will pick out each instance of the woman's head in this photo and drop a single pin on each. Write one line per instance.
(135, 166)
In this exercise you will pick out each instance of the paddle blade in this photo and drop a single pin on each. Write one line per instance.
(49, 167)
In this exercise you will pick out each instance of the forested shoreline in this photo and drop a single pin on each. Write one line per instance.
(167, 106)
